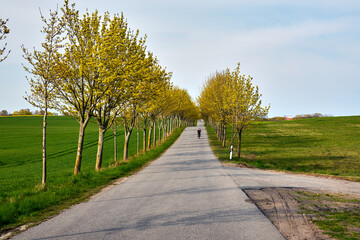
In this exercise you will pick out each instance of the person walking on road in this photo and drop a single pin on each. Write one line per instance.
(199, 133)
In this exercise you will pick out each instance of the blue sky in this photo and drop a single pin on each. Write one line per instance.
(304, 55)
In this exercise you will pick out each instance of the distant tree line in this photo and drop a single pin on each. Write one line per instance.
(299, 116)
(24, 112)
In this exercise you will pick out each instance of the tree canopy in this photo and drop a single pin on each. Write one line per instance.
(229, 98)
(93, 66)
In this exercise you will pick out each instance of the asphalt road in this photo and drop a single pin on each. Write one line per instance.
(185, 194)
(247, 178)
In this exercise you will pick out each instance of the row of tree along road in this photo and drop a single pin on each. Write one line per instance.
(93, 66)
(229, 98)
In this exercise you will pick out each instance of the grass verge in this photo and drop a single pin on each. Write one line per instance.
(319, 146)
(336, 215)
(307, 214)
(34, 204)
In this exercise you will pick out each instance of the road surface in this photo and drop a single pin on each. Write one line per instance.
(248, 178)
(185, 194)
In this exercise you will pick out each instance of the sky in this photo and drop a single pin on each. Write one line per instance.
(304, 55)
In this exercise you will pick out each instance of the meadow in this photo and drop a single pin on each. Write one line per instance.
(325, 146)
(22, 199)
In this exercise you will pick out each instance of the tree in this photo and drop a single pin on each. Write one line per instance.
(228, 97)
(4, 30)
(156, 98)
(43, 69)
(215, 102)
(136, 87)
(115, 64)
(157, 105)
(246, 104)
(79, 87)
(125, 57)
(181, 107)
(4, 113)
(113, 57)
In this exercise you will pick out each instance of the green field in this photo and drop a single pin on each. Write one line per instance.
(327, 146)
(21, 198)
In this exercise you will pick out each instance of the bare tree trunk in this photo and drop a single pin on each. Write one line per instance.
(137, 140)
(232, 139)
(128, 128)
(115, 142)
(154, 137)
(144, 133)
(171, 125)
(100, 149)
(239, 143)
(168, 127)
(165, 127)
(43, 181)
(126, 145)
(79, 148)
(232, 132)
(224, 136)
(150, 135)
(220, 132)
(144, 139)
(160, 127)
(165, 124)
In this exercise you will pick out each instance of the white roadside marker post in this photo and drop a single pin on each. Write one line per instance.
(231, 150)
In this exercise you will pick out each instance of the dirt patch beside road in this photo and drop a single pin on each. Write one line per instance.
(294, 212)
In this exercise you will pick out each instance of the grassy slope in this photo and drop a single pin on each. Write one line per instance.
(21, 199)
(319, 146)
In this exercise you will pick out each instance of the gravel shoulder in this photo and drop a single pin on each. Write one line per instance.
(282, 208)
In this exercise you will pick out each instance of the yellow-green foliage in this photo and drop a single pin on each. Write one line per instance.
(231, 98)
(103, 70)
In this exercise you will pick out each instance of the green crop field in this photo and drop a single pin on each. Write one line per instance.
(21, 151)
(21, 197)
(327, 146)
